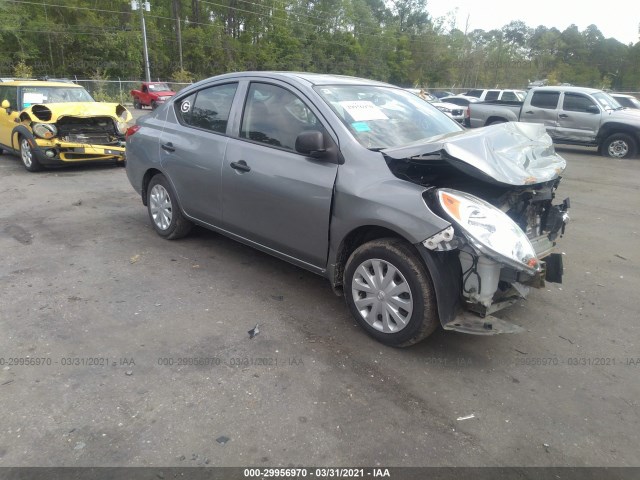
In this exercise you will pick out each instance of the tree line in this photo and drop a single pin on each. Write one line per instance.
(396, 41)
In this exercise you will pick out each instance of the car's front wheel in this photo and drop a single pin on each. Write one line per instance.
(164, 211)
(390, 293)
(619, 145)
(27, 156)
(136, 104)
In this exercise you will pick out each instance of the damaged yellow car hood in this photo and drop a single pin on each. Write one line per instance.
(52, 112)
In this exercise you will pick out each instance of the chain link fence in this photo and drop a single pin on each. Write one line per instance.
(118, 91)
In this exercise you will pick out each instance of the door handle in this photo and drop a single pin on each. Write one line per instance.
(563, 115)
(529, 111)
(168, 147)
(241, 166)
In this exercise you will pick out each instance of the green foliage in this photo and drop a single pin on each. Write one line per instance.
(391, 40)
(22, 70)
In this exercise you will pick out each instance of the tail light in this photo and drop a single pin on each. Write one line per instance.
(131, 130)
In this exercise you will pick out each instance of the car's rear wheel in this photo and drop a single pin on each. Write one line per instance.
(390, 293)
(27, 156)
(619, 145)
(136, 104)
(164, 211)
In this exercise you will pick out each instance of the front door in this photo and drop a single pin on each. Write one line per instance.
(8, 116)
(272, 195)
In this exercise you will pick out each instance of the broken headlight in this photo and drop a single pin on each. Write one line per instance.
(44, 130)
(122, 127)
(489, 230)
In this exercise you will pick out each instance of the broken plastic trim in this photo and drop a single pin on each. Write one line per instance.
(467, 322)
(443, 241)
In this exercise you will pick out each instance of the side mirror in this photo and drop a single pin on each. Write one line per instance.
(593, 109)
(311, 142)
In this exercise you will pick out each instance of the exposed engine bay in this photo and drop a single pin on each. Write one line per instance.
(504, 223)
(92, 130)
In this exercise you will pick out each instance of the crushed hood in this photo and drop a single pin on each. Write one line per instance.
(512, 153)
(52, 112)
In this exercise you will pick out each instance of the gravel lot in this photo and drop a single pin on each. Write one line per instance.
(115, 316)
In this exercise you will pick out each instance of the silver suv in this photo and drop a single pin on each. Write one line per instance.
(418, 222)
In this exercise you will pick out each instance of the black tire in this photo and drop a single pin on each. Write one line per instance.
(619, 145)
(27, 155)
(154, 105)
(174, 227)
(391, 252)
(136, 104)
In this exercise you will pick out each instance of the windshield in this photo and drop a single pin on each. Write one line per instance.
(159, 87)
(383, 117)
(41, 94)
(606, 101)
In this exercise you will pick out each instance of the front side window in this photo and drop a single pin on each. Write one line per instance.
(547, 100)
(381, 117)
(574, 102)
(208, 108)
(275, 116)
(9, 94)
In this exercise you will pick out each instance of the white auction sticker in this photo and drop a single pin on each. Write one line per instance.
(363, 111)
(32, 97)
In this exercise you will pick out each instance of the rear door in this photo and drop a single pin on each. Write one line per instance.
(273, 196)
(192, 149)
(542, 108)
(578, 118)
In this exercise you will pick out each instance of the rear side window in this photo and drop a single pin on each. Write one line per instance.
(574, 102)
(545, 99)
(492, 95)
(475, 93)
(509, 97)
(208, 108)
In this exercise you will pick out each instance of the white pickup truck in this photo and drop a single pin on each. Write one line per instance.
(571, 115)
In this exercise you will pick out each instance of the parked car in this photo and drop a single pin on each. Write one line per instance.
(452, 110)
(627, 101)
(441, 93)
(151, 94)
(57, 123)
(417, 221)
(571, 115)
(488, 95)
(460, 100)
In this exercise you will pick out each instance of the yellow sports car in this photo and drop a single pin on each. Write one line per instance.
(54, 123)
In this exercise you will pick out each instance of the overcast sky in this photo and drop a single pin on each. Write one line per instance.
(614, 18)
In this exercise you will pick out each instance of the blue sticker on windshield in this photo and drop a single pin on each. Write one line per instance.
(361, 126)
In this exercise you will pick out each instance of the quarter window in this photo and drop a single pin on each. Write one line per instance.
(547, 100)
(275, 116)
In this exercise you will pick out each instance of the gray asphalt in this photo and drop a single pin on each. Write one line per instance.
(85, 280)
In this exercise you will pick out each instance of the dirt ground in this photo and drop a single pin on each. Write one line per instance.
(119, 348)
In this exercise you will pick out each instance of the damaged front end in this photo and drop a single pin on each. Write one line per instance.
(68, 132)
(496, 187)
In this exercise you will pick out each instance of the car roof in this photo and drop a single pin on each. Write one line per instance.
(311, 79)
(621, 95)
(40, 83)
(568, 89)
